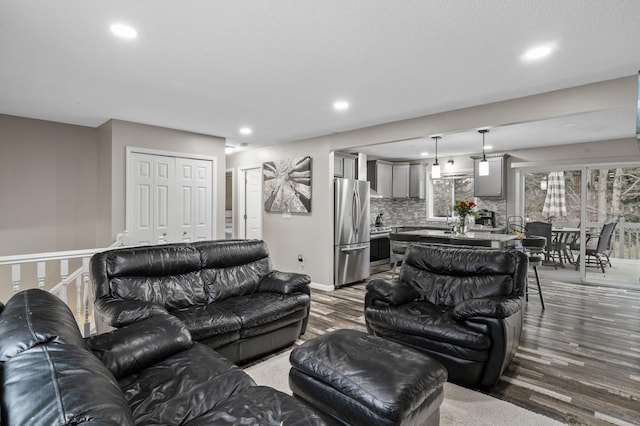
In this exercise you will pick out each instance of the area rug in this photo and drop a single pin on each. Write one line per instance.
(461, 406)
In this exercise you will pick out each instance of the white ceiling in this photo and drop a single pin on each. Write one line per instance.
(277, 66)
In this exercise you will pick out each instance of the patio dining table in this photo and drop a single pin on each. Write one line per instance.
(562, 238)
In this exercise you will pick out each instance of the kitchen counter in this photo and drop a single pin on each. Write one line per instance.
(443, 226)
(486, 239)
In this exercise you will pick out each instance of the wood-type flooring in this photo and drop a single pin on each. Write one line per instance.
(578, 360)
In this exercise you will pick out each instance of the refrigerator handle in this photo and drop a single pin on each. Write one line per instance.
(354, 211)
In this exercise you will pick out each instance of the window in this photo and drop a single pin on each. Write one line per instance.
(446, 191)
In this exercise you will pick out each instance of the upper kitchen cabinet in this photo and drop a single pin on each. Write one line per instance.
(380, 174)
(417, 173)
(344, 165)
(493, 185)
(400, 172)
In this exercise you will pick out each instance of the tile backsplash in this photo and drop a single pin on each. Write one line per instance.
(413, 211)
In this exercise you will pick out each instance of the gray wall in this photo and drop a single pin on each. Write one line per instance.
(123, 134)
(48, 183)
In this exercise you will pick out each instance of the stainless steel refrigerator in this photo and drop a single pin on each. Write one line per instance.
(351, 231)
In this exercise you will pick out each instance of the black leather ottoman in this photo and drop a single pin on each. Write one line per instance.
(352, 378)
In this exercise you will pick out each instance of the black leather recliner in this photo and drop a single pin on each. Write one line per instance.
(462, 306)
(149, 372)
(225, 292)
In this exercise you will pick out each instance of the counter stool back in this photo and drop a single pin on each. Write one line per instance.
(534, 247)
(399, 244)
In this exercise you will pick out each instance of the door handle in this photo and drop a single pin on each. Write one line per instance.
(350, 249)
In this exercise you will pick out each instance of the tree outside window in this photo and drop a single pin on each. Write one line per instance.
(445, 191)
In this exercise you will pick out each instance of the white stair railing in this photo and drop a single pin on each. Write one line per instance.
(82, 306)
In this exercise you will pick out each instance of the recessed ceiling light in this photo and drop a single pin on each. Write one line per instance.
(340, 105)
(246, 130)
(424, 154)
(538, 52)
(228, 149)
(124, 31)
(488, 147)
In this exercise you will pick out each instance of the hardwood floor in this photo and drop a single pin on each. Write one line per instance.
(578, 360)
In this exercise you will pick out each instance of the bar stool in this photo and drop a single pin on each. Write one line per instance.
(534, 248)
(399, 244)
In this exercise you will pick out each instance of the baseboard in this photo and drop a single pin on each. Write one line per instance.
(321, 287)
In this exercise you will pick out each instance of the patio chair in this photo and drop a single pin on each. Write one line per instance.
(600, 248)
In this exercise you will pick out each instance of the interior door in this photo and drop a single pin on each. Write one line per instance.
(140, 204)
(164, 186)
(253, 203)
(194, 199)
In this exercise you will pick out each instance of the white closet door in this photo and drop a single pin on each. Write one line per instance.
(141, 207)
(164, 184)
(203, 200)
(170, 199)
(194, 199)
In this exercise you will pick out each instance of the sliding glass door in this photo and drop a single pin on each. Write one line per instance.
(595, 217)
(613, 225)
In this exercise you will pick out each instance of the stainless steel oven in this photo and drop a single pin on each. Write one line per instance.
(380, 250)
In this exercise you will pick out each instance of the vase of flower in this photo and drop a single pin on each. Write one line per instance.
(461, 226)
(463, 209)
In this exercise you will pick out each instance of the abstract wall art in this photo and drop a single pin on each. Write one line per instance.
(287, 185)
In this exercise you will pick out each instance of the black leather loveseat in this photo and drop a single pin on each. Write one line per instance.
(462, 306)
(146, 373)
(225, 292)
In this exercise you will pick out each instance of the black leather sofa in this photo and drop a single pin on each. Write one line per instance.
(462, 306)
(146, 373)
(225, 292)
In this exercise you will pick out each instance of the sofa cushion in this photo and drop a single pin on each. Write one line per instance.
(445, 276)
(233, 268)
(431, 322)
(259, 309)
(183, 386)
(49, 319)
(171, 291)
(204, 321)
(60, 384)
(259, 405)
(153, 261)
(236, 280)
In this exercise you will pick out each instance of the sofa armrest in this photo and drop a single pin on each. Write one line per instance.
(285, 283)
(141, 344)
(493, 307)
(388, 292)
(119, 312)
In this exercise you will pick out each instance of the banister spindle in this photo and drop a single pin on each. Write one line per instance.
(78, 299)
(85, 279)
(41, 272)
(64, 274)
(15, 277)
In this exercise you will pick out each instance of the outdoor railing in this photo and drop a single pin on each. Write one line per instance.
(57, 263)
(626, 240)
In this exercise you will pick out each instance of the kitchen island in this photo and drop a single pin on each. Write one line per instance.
(476, 238)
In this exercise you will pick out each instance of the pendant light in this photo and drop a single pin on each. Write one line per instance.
(435, 169)
(483, 166)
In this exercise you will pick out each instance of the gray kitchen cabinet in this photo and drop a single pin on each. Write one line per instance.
(493, 185)
(344, 165)
(380, 175)
(417, 174)
(400, 187)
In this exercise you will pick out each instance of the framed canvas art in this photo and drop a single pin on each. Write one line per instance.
(287, 185)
